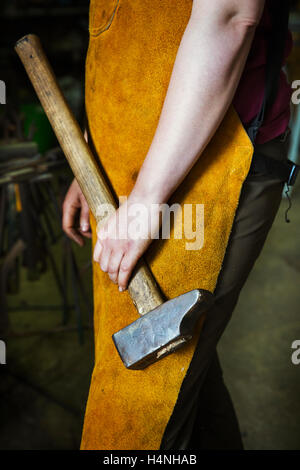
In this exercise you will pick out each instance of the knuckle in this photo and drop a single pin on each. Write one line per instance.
(109, 243)
(125, 267)
(131, 244)
(103, 266)
(128, 245)
(112, 270)
(104, 241)
(102, 234)
(102, 245)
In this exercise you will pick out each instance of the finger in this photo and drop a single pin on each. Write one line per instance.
(97, 252)
(114, 265)
(69, 214)
(86, 234)
(74, 235)
(126, 267)
(104, 259)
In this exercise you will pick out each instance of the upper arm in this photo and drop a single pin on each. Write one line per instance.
(243, 12)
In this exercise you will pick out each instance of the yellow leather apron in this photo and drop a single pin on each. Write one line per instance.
(133, 45)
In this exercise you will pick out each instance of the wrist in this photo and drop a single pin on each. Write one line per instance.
(148, 193)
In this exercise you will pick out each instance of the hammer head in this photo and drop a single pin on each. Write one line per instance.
(162, 330)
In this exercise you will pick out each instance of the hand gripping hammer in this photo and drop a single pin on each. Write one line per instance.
(163, 326)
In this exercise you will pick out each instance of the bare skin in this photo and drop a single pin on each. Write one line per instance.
(75, 208)
(206, 72)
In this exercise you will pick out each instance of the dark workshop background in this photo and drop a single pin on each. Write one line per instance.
(46, 281)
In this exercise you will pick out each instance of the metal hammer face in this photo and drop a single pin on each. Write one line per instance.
(162, 330)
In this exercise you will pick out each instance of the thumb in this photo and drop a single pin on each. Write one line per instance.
(84, 216)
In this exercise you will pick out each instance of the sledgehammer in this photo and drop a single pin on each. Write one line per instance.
(164, 326)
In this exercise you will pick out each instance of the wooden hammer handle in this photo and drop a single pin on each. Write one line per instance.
(142, 288)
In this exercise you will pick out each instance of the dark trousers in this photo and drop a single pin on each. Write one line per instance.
(204, 416)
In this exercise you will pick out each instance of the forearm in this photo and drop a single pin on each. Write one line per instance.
(207, 69)
(206, 72)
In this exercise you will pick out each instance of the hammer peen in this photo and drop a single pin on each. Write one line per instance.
(164, 326)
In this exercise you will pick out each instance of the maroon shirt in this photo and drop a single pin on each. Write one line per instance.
(249, 94)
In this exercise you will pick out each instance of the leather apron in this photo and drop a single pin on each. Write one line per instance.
(133, 45)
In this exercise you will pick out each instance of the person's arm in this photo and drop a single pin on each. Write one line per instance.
(208, 66)
(206, 72)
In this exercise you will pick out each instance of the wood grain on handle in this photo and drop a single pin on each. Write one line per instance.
(142, 288)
